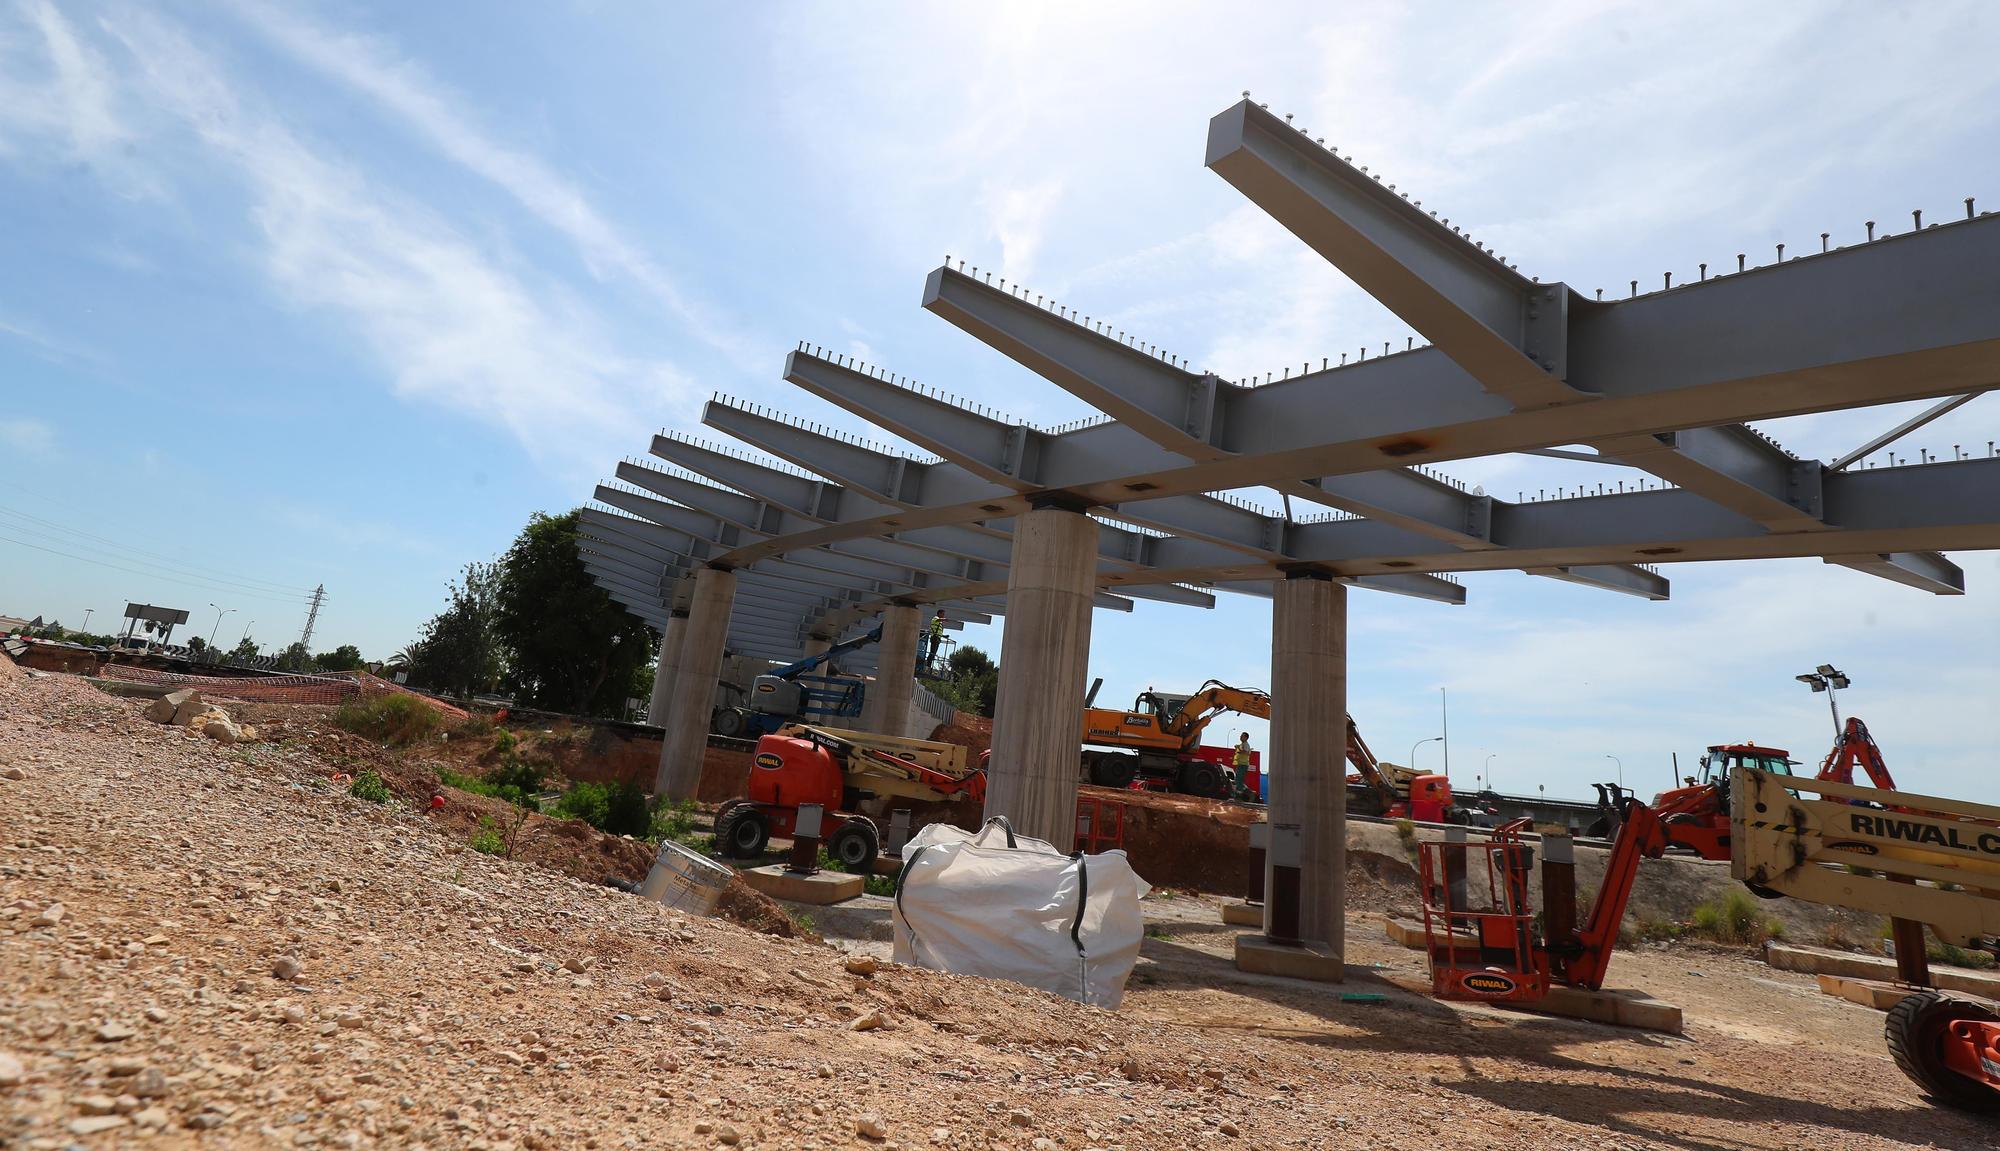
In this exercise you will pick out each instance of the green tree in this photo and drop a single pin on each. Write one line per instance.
(197, 647)
(973, 681)
(294, 658)
(346, 657)
(571, 647)
(460, 652)
(246, 649)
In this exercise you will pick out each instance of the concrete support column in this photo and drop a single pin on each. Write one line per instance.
(1308, 757)
(1044, 658)
(887, 706)
(679, 776)
(816, 645)
(667, 669)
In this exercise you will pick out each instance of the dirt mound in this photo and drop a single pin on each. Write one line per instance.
(974, 732)
(1377, 882)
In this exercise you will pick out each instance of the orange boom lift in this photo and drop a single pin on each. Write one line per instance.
(1479, 926)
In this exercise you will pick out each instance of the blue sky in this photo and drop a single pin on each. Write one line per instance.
(340, 292)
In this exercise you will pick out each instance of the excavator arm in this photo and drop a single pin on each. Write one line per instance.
(1214, 698)
(1364, 761)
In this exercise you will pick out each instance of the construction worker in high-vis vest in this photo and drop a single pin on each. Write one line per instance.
(936, 637)
(1242, 787)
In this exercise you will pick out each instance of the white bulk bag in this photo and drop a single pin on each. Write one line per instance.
(991, 903)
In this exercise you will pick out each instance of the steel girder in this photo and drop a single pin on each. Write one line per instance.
(1543, 344)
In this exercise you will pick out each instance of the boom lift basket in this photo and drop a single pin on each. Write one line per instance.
(1478, 925)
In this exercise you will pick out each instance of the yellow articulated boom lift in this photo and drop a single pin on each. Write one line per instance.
(1921, 861)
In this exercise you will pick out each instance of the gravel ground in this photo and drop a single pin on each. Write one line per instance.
(211, 946)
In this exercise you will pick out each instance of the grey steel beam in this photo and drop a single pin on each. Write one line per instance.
(1507, 331)
(917, 484)
(1734, 466)
(1173, 409)
(840, 569)
(1946, 506)
(1797, 324)
(1458, 296)
(831, 559)
(748, 511)
(1925, 571)
(1628, 578)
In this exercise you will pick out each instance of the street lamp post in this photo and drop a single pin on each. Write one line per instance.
(1418, 744)
(86, 619)
(1489, 769)
(219, 613)
(1827, 678)
(1621, 768)
(246, 632)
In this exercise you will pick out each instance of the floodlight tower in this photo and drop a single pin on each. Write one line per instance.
(1828, 679)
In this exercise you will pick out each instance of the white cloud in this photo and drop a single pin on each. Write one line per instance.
(417, 103)
(449, 324)
(28, 436)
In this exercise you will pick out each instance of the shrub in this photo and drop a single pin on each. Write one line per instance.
(487, 840)
(515, 781)
(475, 726)
(1406, 830)
(395, 719)
(619, 809)
(676, 822)
(628, 812)
(504, 742)
(1734, 919)
(370, 787)
(585, 801)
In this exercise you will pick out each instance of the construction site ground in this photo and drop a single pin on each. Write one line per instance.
(214, 946)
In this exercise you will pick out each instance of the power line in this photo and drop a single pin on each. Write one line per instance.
(124, 550)
(184, 572)
(157, 575)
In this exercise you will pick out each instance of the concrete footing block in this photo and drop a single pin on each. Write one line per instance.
(1314, 961)
(1822, 961)
(1619, 1008)
(1867, 992)
(1241, 914)
(819, 889)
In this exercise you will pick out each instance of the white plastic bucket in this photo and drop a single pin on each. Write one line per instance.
(684, 881)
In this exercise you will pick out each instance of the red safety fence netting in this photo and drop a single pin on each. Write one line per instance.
(325, 689)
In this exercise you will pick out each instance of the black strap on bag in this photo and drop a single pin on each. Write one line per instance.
(902, 877)
(1082, 898)
(1076, 927)
(1004, 826)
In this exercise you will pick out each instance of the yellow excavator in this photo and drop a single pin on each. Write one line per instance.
(1159, 739)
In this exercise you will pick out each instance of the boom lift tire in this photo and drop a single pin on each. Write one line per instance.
(730, 722)
(856, 845)
(742, 832)
(1114, 771)
(1914, 1029)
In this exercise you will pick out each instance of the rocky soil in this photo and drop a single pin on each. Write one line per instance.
(208, 945)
